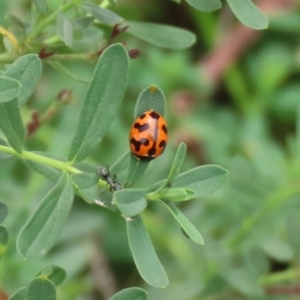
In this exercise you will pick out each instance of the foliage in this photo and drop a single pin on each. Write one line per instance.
(57, 56)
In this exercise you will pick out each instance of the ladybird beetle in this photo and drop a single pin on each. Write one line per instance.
(148, 136)
(112, 182)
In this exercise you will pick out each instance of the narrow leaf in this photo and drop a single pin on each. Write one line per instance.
(85, 180)
(9, 88)
(91, 194)
(41, 288)
(56, 274)
(120, 167)
(49, 172)
(86, 167)
(82, 23)
(103, 99)
(20, 294)
(101, 14)
(204, 5)
(12, 125)
(3, 239)
(144, 254)
(161, 35)
(3, 211)
(248, 14)
(185, 224)
(40, 233)
(133, 293)
(130, 202)
(202, 180)
(86, 186)
(104, 199)
(135, 171)
(65, 29)
(177, 163)
(42, 6)
(177, 194)
(150, 98)
(27, 70)
(3, 155)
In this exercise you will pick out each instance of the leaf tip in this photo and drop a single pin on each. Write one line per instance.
(153, 89)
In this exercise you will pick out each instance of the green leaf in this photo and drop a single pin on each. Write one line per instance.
(86, 167)
(82, 23)
(135, 171)
(248, 14)
(177, 163)
(58, 275)
(41, 288)
(133, 293)
(65, 29)
(130, 202)
(150, 98)
(55, 274)
(204, 5)
(3, 155)
(27, 70)
(103, 100)
(41, 231)
(185, 224)
(85, 180)
(91, 194)
(144, 254)
(12, 125)
(3, 211)
(177, 194)
(104, 199)
(86, 186)
(120, 167)
(42, 6)
(101, 14)
(49, 172)
(161, 35)
(277, 248)
(9, 88)
(89, 39)
(202, 180)
(20, 294)
(3, 239)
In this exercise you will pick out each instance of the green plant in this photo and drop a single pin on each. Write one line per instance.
(104, 94)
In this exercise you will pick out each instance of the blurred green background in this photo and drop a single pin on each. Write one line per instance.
(246, 119)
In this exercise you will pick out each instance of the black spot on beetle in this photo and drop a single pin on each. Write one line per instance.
(142, 116)
(162, 144)
(164, 129)
(154, 115)
(137, 144)
(140, 127)
(152, 150)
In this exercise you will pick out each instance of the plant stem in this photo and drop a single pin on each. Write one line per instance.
(7, 57)
(26, 155)
(51, 162)
(71, 57)
(279, 277)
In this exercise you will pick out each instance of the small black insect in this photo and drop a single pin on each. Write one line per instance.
(112, 182)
